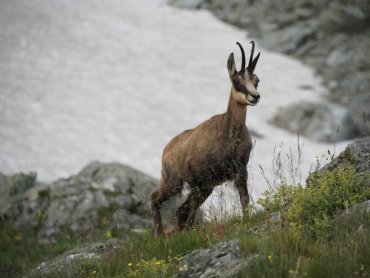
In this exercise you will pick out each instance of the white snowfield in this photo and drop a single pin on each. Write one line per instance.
(116, 80)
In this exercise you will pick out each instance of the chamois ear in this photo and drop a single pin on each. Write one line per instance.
(231, 65)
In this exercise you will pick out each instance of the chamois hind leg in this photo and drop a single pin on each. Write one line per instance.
(185, 215)
(167, 189)
(240, 182)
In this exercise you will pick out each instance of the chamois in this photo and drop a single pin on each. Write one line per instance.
(215, 151)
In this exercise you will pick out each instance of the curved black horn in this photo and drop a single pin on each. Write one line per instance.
(243, 56)
(251, 56)
(253, 62)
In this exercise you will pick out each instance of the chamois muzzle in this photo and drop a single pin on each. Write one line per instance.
(255, 100)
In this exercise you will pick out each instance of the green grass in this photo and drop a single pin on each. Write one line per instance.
(20, 252)
(282, 252)
(286, 253)
(147, 256)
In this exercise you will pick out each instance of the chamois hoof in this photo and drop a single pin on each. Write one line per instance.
(159, 234)
(170, 232)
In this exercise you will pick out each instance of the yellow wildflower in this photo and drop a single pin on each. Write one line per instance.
(18, 237)
(108, 234)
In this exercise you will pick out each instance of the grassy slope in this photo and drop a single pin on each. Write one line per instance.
(314, 239)
(284, 253)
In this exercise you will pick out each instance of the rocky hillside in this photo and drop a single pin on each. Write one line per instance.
(110, 200)
(333, 37)
(229, 258)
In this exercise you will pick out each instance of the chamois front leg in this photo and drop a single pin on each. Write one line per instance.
(240, 182)
(195, 203)
(185, 215)
(183, 212)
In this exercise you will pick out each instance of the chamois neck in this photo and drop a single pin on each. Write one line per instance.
(235, 117)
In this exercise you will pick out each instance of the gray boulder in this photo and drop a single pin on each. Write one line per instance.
(224, 259)
(290, 39)
(68, 263)
(363, 207)
(102, 197)
(318, 121)
(356, 155)
(15, 184)
(336, 16)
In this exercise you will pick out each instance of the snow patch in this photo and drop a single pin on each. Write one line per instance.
(116, 80)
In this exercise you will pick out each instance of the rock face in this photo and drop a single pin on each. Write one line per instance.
(363, 207)
(11, 186)
(318, 121)
(224, 259)
(333, 37)
(356, 154)
(109, 196)
(67, 264)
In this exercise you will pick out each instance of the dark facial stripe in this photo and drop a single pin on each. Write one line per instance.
(239, 87)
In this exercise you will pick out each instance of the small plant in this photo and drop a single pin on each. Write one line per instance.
(279, 199)
(147, 268)
(44, 193)
(313, 208)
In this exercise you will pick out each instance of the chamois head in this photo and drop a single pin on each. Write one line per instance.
(244, 82)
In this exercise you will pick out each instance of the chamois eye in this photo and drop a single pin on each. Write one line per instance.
(236, 82)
